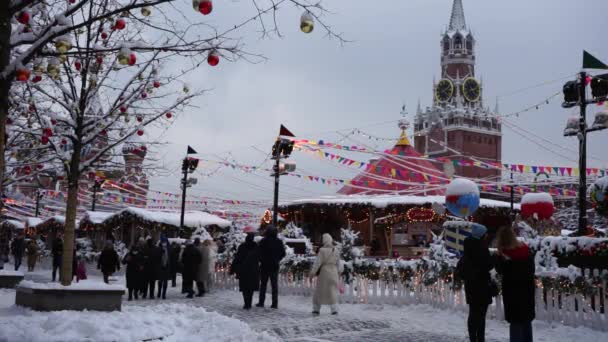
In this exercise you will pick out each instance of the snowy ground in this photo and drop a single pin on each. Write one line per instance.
(219, 317)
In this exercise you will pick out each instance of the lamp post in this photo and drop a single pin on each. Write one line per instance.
(188, 166)
(96, 187)
(281, 149)
(575, 95)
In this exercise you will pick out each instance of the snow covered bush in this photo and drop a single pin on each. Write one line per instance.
(231, 240)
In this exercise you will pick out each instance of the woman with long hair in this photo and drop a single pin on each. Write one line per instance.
(516, 265)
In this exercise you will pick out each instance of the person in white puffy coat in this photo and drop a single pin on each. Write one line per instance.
(327, 268)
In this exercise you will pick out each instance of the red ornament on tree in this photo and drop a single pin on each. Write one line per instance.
(156, 84)
(539, 204)
(205, 7)
(132, 59)
(143, 148)
(144, 95)
(99, 59)
(77, 65)
(27, 169)
(37, 78)
(48, 132)
(168, 115)
(140, 119)
(53, 122)
(44, 140)
(214, 58)
(120, 24)
(23, 17)
(64, 141)
(22, 75)
(104, 35)
(40, 166)
(140, 132)
(123, 109)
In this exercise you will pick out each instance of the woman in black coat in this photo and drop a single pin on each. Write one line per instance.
(477, 281)
(246, 266)
(191, 259)
(517, 268)
(108, 262)
(152, 258)
(164, 269)
(135, 266)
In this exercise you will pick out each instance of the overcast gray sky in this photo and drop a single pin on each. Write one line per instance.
(315, 86)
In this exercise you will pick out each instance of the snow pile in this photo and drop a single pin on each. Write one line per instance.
(539, 197)
(10, 273)
(461, 186)
(166, 322)
(85, 250)
(83, 285)
(201, 233)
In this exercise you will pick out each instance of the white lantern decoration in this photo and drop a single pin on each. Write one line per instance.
(307, 22)
(572, 126)
(601, 120)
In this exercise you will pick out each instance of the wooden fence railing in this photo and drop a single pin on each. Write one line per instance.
(551, 305)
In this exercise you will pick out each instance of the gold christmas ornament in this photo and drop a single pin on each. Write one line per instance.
(53, 68)
(307, 22)
(186, 89)
(146, 11)
(39, 66)
(63, 58)
(63, 44)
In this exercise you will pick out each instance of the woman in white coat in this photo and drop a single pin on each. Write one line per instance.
(326, 268)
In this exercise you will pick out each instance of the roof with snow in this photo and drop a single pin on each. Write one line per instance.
(402, 170)
(96, 217)
(384, 201)
(192, 219)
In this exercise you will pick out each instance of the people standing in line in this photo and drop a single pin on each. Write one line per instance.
(32, 254)
(516, 265)
(203, 268)
(191, 260)
(17, 249)
(246, 266)
(164, 270)
(327, 269)
(152, 259)
(476, 266)
(57, 252)
(212, 261)
(271, 252)
(174, 252)
(135, 267)
(108, 262)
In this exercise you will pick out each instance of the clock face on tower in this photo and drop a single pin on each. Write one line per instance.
(444, 90)
(471, 90)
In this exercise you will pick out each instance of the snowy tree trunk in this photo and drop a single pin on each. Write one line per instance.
(5, 84)
(70, 216)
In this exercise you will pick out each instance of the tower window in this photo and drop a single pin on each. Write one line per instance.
(458, 42)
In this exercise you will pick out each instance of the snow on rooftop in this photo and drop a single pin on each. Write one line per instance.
(33, 221)
(193, 219)
(383, 201)
(97, 217)
(539, 197)
(16, 224)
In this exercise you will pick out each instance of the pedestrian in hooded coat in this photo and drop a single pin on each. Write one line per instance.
(212, 261)
(191, 260)
(32, 254)
(108, 262)
(516, 266)
(164, 269)
(477, 281)
(327, 269)
(203, 269)
(174, 252)
(135, 267)
(152, 259)
(246, 266)
(272, 251)
(18, 249)
(57, 252)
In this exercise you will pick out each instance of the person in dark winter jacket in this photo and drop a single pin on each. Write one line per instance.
(152, 258)
(477, 281)
(191, 260)
(516, 266)
(174, 252)
(271, 252)
(135, 267)
(246, 267)
(57, 252)
(108, 262)
(17, 249)
(164, 269)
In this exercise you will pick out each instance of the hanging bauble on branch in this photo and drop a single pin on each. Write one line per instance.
(169, 115)
(539, 205)
(77, 65)
(146, 11)
(462, 197)
(214, 58)
(203, 6)
(63, 44)
(126, 57)
(52, 68)
(140, 132)
(307, 22)
(120, 24)
(23, 17)
(22, 74)
(599, 196)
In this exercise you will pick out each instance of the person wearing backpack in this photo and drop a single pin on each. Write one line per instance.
(476, 265)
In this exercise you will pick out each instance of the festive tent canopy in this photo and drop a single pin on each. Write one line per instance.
(401, 170)
(192, 219)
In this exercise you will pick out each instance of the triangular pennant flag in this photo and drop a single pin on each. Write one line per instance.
(590, 62)
(535, 169)
(285, 132)
(556, 170)
(191, 150)
(562, 170)
(569, 170)
(520, 168)
(541, 168)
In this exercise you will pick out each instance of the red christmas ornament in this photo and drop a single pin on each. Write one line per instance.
(77, 65)
(120, 24)
(168, 115)
(140, 132)
(37, 78)
(132, 59)
(140, 119)
(40, 166)
(104, 35)
(99, 59)
(104, 132)
(23, 17)
(205, 7)
(539, 204)
(91, 174)
(144, 95)
(32, 107)
(156, 84)
(27, 169)
(214, 58)
(53, 122)
(143, 148)
(48, 132)
(64, 141)
(123, 109)
(44, 140)
(22, 75)
(72, 1)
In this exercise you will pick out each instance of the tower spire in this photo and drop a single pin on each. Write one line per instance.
(457, 21)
